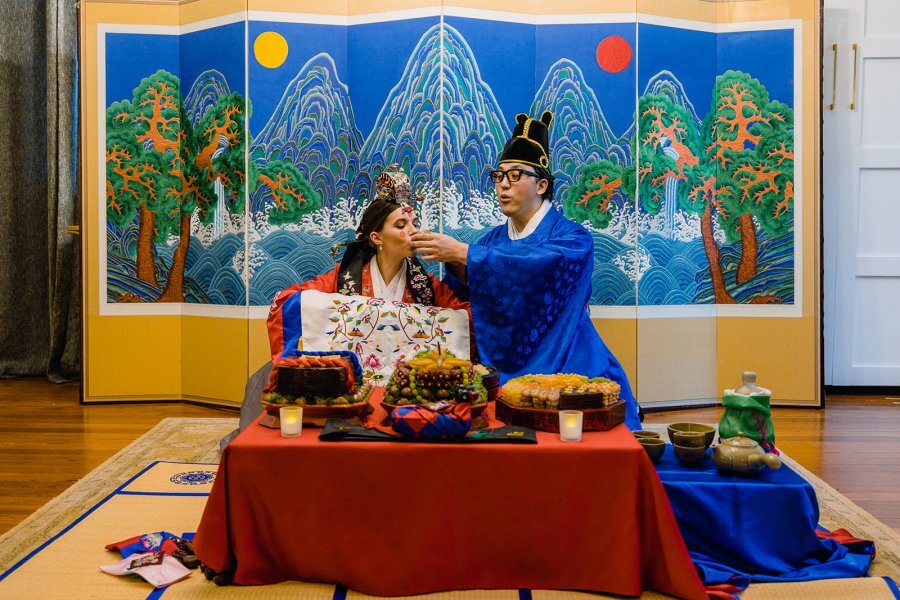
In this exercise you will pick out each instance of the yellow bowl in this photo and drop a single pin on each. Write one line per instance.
(688, 455)
(654, 447)
(639, 433)
(692, 439)
(708, 430)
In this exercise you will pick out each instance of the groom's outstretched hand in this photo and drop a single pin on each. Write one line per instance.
(437, 246)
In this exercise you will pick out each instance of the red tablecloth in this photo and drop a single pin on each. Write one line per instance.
(391, 518)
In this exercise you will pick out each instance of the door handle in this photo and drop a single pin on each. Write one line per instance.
(834, 78)
(74, 229)
(855, 52)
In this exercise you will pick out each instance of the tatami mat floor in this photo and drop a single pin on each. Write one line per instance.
(170, 496)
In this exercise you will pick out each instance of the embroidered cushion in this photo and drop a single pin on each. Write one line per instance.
(381, 333)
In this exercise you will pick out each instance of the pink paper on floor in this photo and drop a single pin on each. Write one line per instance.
(158, 568)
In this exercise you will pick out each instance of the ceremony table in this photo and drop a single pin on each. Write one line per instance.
(403, 518)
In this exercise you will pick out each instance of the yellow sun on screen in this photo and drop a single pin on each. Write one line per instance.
(270, 49)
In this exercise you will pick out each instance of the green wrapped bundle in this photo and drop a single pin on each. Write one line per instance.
(748, 414)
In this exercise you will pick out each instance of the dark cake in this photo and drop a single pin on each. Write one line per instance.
(312, 381)
(308, 378)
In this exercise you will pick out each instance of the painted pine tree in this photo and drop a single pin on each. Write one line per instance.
(162, 172)
(737, 168)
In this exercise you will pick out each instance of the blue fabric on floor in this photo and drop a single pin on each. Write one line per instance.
(758, 528)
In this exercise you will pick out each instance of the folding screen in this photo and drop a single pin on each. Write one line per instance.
(728, 102)
(691, 206)
(775, 47)
(166, 310)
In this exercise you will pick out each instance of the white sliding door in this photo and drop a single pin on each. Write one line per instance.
(862, 193)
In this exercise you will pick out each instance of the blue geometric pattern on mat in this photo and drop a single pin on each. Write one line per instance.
(193, 477)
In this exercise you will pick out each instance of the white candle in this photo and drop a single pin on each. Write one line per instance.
(291, 418)
(570, 422)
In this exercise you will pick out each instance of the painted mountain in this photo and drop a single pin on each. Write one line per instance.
(474, 128)
(206, 90)
(410, 129)
(579, 133)
(666, 84)
(313, 127)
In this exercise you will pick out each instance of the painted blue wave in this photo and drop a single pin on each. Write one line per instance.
(209, 274)
(122, 281)
(678, 273)
(611, 287)
(289, 258)
(658, 287)
(121, 242)
(674, 268)
(775, 272)
(226, 287)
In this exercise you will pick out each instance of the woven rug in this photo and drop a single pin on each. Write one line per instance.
(173, 439)
(57, 551)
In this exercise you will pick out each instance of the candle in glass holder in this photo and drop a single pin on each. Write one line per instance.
(291, 418)
(570, 422)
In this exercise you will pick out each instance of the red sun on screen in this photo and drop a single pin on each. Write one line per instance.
(613, 54)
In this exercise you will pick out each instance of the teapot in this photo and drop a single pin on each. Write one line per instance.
(743, 455)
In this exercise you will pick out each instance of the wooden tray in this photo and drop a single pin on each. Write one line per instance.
(543, 419)
(316, 414)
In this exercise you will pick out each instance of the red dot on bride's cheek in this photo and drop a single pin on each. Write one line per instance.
(403, 234)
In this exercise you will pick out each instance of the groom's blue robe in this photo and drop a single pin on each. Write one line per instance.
(529, 300)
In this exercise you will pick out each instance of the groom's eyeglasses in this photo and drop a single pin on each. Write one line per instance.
(513, 175)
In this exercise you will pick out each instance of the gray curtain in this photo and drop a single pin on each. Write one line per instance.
(40, 283)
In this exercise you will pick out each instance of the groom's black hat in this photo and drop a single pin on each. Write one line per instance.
(530, 141)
